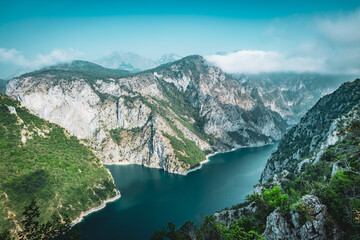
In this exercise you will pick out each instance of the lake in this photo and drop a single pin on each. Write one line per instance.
(150, 198)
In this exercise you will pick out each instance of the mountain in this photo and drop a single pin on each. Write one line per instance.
(126, 61)
(133, 62)
(309, 188)
(42, 161)
(306, 142)
(85, 67)
(171, 57)
(167, 117)
(170, 116)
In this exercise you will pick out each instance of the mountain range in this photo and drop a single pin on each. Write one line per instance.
(168, 117)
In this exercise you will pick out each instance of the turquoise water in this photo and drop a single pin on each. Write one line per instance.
(151, 197)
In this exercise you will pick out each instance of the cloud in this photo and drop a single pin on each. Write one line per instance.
(326, 44)
(256, 61)
(342, 28)
(14, 57)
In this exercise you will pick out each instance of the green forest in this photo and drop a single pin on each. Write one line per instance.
(50, 166)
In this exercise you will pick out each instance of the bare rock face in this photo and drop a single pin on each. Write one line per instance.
(317, 130)
(277, 227)
(297, 227)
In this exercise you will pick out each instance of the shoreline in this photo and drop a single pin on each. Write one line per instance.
(95, 209)
(198, 167)
(201, 163)
(118, 194)
(217, 152)
(118, 163)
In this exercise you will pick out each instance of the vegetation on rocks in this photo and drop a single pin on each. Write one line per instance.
(42, 161)
(32, 229)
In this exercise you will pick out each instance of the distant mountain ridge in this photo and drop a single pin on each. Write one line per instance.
(133, 62)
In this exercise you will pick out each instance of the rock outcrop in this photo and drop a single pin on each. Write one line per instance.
(299, 227)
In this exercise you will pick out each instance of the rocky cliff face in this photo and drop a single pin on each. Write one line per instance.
(310, 186)
(320, 155)
(164, 118)
(278, 227)
(306, 142)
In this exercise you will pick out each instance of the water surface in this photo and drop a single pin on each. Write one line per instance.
(151, 197)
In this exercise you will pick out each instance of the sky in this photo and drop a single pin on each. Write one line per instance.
(239, 36)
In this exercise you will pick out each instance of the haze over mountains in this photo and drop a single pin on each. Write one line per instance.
(128, 61)
(133, 62)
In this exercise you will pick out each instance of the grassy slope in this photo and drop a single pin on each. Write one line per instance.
(63, 175)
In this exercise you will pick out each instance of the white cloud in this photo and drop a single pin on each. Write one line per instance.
(343, 28)
(327, 44)
(12, 56)
(256, 61)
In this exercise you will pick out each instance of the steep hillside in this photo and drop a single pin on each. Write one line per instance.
(318, 129)
(310, 186)
(42, 161)
(166, 117)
